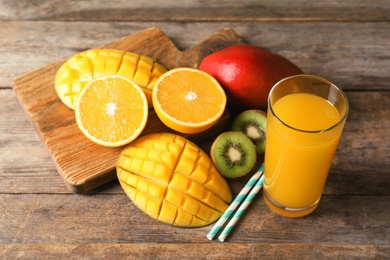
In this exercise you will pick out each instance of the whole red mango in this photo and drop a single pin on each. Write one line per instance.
(247, 73)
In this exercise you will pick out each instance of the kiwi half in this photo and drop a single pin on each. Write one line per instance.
(252, 123)
(234, 154)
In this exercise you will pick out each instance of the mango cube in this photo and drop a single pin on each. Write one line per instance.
(173, 180)
(88, 65)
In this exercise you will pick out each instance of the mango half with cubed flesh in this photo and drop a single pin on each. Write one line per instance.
(76, 72)
(173, 180)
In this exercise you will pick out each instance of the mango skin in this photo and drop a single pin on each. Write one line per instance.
(247, 73)
(72, 77)
(173, 181)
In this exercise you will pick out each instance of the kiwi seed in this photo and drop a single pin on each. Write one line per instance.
(234, 154)
(253, 123)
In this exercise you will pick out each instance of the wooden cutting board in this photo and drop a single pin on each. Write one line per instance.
(83, 164)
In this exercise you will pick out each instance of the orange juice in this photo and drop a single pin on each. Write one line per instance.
(300, 145)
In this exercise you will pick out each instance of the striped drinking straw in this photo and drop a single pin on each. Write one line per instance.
(241, 209)
(240, 197)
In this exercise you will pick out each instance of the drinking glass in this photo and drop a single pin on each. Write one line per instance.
(305, 118)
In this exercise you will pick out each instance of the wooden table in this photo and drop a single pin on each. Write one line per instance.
(347, 43)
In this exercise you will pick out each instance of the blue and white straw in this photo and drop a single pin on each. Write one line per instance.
(241, 209)
(253, 181)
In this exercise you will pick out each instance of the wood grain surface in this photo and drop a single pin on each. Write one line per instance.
(83, 164)
(346, 42)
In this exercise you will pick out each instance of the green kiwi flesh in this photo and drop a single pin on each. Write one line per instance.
(234, 154)
(253, 123)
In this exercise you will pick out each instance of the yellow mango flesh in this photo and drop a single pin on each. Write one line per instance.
(76, 72)
(173, 180)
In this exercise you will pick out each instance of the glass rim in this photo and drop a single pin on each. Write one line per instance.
(342, 119)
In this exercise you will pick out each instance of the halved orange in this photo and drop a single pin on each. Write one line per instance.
(188, 100)
(112, 111)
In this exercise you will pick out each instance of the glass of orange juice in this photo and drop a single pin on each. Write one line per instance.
(305, 119)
